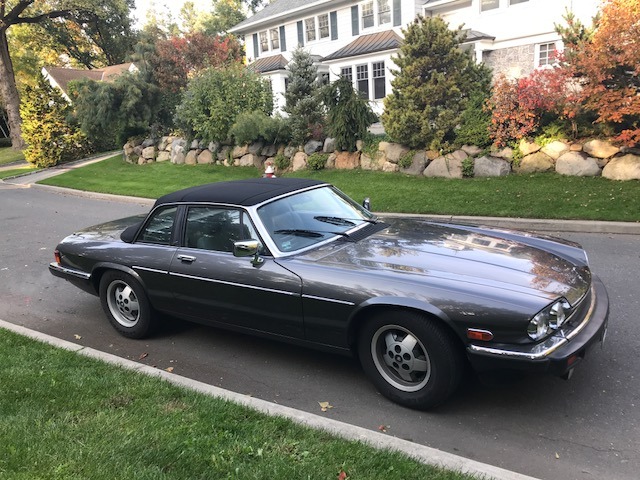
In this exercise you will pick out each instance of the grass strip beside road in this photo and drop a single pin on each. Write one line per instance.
(14, 172)
(68, 416)
(9, 155)
(546, 196)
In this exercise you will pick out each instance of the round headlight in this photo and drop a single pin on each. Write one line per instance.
(538, 326)
(558, 314)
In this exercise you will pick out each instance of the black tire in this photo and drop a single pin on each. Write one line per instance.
(126, 305)
(410, 358)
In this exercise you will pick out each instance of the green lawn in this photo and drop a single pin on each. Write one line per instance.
(8, 155)
(65, 416)
(526, 196)
(17, 171)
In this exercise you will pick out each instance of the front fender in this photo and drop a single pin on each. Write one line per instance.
(366, 308)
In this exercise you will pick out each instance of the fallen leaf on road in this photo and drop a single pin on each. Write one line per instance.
(324, 406)
(383, 428)
(170, 369)
(557, 455)
(143, 355)
(77, 337)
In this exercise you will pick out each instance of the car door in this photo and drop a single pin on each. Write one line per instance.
(211, 284)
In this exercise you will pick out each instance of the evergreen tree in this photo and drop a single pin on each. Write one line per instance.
(433, 85)
(303, 97)
(50, 137)
(349, 115)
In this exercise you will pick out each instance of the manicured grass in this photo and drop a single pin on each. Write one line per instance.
(68, 416)
(17, 171)
(526, 196)
(8, 155)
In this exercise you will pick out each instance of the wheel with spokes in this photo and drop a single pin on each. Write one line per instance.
(410, 358)
(126, 305)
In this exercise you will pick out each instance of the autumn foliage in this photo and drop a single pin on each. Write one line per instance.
(597, 78)
(178, 59)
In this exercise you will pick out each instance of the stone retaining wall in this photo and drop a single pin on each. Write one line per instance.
(587, 158)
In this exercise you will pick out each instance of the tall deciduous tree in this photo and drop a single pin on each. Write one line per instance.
(607, 61)
(433, 85)
(103, 23)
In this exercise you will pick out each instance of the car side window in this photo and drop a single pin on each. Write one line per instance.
(159, 227)
(216, 229)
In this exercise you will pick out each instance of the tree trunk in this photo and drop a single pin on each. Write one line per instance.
(10, 93)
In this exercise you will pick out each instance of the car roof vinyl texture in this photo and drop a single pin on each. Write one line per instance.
(246, 192)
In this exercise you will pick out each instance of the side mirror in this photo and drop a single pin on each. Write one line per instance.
(248, 248)
(366, 203)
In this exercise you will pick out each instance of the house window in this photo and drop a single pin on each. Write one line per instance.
(264, 42)
(489, 5)
(310, 29)
(362, 76)
(546, 54)
(367, 15)
(347, 72)
(323, 78)
(275, 38)
(384, 12)
(379, 85)
(323, 25)
(515, 2)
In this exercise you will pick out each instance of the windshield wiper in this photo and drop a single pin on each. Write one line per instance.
(335, 220)
(309, 233)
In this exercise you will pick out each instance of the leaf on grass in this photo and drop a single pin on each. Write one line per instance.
(170, 369)
(324, 406)
(143, 355)
(77, 337)
(343, 475)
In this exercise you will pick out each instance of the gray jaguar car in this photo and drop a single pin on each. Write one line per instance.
(297, 260)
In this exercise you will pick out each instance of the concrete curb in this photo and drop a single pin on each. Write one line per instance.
(421, 453)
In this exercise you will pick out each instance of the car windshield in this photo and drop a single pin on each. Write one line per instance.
(304, 219)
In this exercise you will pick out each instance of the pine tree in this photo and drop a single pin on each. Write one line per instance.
(303, 97)
(433, 85)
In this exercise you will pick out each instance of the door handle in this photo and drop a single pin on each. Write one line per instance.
(186, 258)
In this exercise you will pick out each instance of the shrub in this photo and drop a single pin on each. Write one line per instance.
(349, 115)
(474, 124)
(407, 159)
(467, 167)
(51, 139)
(281, 162)
(216, 97)
(317, 161)
(257, 127)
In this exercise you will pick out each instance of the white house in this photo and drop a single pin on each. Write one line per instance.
(358, 39)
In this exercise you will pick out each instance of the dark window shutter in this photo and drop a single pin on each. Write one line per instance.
(300, 34)
(255, 45)
(283, 40)
(397, 13)
(355, 21)
(333, 17)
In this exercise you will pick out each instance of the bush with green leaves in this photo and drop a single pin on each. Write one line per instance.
(433, 85)
(317, 161)
(281, 162)
(109, 113)
(49, 135)
(474, 124)
(214, 99)
(348, 114)
(468, 167)
(303, 97)
(258, 127)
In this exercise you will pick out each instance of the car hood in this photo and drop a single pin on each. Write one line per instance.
(439, 253)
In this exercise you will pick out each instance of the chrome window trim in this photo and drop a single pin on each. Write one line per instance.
(547, 347)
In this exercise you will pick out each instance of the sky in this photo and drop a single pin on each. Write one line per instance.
(173, 6)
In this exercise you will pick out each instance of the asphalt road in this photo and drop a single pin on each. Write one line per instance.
(585, 428)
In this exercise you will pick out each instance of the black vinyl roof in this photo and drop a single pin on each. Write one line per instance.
(239, 192)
